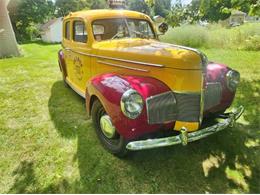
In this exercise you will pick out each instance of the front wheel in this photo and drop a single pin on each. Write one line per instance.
(106, 132)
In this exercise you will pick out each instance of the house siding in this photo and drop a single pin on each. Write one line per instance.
(54, 32)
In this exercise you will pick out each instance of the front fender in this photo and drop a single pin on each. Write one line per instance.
(109, 88)
(217, 73)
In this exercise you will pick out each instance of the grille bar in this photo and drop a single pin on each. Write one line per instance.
(172, 106)
(213, 94)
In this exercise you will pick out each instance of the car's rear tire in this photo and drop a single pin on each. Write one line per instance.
(116, 144)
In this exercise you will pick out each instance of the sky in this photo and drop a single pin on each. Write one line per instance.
(186, 1)
(183, 1)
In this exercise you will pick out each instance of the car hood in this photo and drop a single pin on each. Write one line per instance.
(150, 52)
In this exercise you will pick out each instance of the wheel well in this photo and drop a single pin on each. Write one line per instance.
(93, 98)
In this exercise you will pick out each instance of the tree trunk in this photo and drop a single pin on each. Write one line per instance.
(8, 43)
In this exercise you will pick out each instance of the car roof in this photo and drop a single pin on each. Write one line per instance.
(106, 13)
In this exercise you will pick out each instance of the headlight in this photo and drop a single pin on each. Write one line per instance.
(131, 104)
(233, 79)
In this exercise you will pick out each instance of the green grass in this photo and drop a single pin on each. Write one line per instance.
(244, 37)
(47, 143)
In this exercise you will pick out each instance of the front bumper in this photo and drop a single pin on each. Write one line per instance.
(184, 137)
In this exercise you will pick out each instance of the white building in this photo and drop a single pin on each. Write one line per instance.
(8, 44)
(51, 32)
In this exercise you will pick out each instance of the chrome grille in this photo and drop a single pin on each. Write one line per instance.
(188, 107)
(213, 94)
(161, 108)
(172, 106)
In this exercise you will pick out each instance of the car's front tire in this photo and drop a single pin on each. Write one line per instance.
(108, 136)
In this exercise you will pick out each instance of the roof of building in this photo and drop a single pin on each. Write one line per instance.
(237, 12)
(106, 13)
(45, 26)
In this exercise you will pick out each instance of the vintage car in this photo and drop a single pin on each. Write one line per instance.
(142, 93)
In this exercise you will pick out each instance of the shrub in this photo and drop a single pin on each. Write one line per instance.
(245, 37)
(188, 35)
(252, 43)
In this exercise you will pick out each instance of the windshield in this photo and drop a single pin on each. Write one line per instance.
(109, 29)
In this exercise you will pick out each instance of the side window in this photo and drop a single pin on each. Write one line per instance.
(67, 30)
(79, 32)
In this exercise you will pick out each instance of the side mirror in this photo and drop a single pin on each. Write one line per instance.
(163, 28)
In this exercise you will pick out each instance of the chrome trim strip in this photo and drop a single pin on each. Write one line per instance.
(202, 98)
(74, 89)
(184, 138)
(116, 59)
(158, 95)
(187, 92)
(204, 63)
(67, 49)
(204, 59)
(121, 66)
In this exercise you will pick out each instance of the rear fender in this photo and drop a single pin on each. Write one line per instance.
(62, 63)
(109, 88)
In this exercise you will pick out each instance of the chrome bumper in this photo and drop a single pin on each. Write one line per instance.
(184, 137)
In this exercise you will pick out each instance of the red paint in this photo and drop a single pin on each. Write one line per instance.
(62, 63)
(217, 73)
(109, 89)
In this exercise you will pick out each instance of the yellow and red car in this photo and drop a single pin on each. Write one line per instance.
(142, 93)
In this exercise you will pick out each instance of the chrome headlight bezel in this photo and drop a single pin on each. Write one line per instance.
(233, 80)
(131, 96)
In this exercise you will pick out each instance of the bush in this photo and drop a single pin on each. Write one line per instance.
(245, 37)
(188, 35)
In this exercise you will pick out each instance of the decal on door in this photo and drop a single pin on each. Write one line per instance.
(78, 68)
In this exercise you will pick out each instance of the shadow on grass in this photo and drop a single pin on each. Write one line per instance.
(226, 162)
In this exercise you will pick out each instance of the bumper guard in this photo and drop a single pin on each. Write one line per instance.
(184, 137)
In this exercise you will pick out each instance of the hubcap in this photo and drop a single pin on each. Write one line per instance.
(107, 127)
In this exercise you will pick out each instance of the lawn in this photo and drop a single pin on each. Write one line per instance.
(49, 145)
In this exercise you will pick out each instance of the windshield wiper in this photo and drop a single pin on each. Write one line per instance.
(116, 35)
(143, 35)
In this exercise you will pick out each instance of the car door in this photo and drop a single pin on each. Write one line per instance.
(66, 42)
(80, 54)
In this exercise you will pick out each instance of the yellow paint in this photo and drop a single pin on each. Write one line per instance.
(191, 126)
(181, 69)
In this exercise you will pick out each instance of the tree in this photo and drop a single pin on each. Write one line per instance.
(215, 10)
(162, 7)
(64, 7)
(150, 3)
(184, 13)
(255, 8)
(242, 5)
(193, 11)
(26, 14)
(139, 5)
(177, 15)
(211, 10)
(98, 4)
